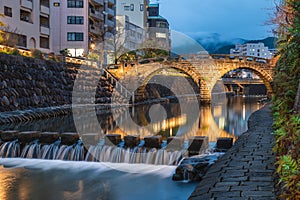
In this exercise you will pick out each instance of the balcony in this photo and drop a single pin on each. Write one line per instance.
(110, 2)
(110, 11)
(26, 4)
(110, 23)
(45, 10)
(95, 29)
(96, 14)
(44, 30)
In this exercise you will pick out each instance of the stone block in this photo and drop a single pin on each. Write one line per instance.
(48, 137)
(223, 144)
(112, 139)
(28, 136)
(90, 139)
(153, 141)
(175, 143)
(9, 135)
(132, 140)
(197, 145)
(69, 138)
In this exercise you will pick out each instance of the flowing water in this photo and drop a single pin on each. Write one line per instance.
(57, 179)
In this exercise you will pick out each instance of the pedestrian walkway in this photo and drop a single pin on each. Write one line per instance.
(246, 171)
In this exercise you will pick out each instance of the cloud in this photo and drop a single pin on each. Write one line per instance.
(230, 18)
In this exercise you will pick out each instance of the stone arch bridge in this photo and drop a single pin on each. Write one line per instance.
(205, 70)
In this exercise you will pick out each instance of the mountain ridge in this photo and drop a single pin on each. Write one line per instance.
(215, 44)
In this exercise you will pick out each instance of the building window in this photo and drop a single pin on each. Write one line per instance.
(126, 8)
(22, 40)
(75, 19)
(56, 4)
(44, 42)
(75, 3)
(161, 25)
(44, 21)
(131, 7)
(7, 11)
(25, 16)
(141, 7)
(45, 3)
(75, 36)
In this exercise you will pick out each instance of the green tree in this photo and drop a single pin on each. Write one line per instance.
(287, 75)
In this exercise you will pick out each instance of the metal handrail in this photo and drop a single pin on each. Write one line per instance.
(118, 84)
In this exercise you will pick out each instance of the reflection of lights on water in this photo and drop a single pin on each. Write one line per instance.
(155, 128)
(169, 123)
(244, 111)
(222, 122)
(218, 111)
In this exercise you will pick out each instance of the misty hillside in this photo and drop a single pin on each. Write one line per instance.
(215, 44)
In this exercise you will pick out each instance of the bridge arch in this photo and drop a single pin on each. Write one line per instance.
(260, 70)
(152, 69)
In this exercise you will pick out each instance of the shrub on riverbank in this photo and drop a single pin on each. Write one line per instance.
(286, 120)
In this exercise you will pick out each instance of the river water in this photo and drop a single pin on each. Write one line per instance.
(44, 179)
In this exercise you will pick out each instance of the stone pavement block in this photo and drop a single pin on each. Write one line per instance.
(261, 178)
(220, 189)
(231, 183)
(266, 188)
(227, 194)
(244, 188)
(230, 198)
(242, 178)
(258, 194)
(202, 197)
(234, 173)
(257, 183)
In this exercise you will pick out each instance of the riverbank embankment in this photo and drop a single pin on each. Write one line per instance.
(247, 170)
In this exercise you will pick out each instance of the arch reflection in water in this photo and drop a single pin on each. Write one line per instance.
(224, 118)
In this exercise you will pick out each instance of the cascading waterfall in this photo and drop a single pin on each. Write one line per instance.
(74, 152)
(98, 153)
(49, 151)
(104, 153)
(10, 149)
(31, 150)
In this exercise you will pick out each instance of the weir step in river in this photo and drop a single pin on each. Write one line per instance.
(89, 147)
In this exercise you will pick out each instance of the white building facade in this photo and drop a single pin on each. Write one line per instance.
(131, 21)
(28, 22)
(136, 10)
(258, 50)
(132, 36)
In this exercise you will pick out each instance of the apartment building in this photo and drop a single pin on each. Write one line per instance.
(131, 35)
(132, 22)
(135, 10)
(258, 50)
(28, 23)
(79, 25)
(158, 28)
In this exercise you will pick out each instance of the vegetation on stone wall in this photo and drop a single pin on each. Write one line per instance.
(1, 26)
(286, 121)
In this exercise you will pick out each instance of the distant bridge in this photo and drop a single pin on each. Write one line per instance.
(205, 70)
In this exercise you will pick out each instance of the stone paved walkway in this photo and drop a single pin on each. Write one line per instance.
(246, 170)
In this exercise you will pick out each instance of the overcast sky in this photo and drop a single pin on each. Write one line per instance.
(230, 18)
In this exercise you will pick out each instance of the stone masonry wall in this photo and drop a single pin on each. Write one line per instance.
(27, 83)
